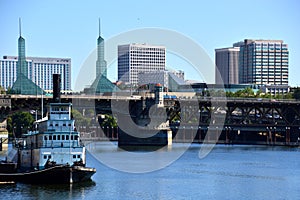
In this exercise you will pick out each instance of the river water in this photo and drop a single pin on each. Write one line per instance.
(227, 172)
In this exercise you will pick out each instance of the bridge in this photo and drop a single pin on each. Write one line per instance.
(259, 121)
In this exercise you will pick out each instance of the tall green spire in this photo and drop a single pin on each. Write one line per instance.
(23, 85)
(22, 64)
(101, 68)
(101, 84)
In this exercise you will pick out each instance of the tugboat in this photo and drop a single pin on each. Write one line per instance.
(53, 153)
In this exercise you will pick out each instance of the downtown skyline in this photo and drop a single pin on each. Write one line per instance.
(71, 30)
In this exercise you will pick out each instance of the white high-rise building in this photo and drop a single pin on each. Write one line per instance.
(40, 71)
(136, 58)
(263, 62)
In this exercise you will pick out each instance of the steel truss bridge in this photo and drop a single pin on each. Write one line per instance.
(260, 121)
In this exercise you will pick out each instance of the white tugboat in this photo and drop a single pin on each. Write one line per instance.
(53, 153)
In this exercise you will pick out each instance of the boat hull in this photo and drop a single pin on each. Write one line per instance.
(52, 175)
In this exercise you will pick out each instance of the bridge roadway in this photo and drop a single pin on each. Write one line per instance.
(262, 116)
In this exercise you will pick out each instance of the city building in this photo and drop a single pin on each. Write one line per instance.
(263, 62)
(39, 71)
(101, 84)
(227, 65)
(136, 58)
(32, 75)
(22, 84)
(170, 80)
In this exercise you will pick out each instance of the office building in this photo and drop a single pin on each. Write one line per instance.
(227, 64)
(32, 75)
(171, 80)
(263, 62)
(136, 58)
(39, 71)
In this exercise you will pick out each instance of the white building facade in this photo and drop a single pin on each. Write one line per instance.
(40, 71)
(137, 58)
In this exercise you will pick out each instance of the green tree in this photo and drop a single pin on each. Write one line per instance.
(247, 92)
(296, 94)
(109, 121)
(80, 120)
(2, 90)
(19, 123)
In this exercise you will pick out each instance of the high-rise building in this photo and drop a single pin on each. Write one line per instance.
(227, 65)
(39, 71)
(136, 58)
(263, 62)
(32, 75)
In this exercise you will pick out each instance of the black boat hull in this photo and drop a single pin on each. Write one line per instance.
(56, 174)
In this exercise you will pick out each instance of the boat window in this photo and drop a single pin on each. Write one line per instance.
(69, 124)
(64, 108)
(74, 156)
(54, 137)
(71, 137)
(67, 137)
(45, 137)
(76, 137)
(50, 137)
(55, 108)
(51, 125)
(45, 156)
(56, 124)
(63, 137)
(49, 156)
(58, 137)
(78, 156)
(64, 124)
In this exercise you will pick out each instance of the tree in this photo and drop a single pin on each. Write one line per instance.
(247, 92)
(109, 121)
(19, 123)
(80, 120)
(296, 94)
(2, 90)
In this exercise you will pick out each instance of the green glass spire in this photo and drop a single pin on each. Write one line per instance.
(23, 85)
(101, 84)
(100, 63)
(22, 64)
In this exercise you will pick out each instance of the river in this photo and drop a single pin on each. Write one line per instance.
(227, 172)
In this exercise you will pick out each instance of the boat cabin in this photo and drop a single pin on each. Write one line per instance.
(55, 140)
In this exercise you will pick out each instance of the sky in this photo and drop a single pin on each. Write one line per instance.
(70, 28)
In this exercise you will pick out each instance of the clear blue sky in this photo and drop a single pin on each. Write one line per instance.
(70, 28)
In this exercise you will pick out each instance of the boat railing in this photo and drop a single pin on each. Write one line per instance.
(50, 144)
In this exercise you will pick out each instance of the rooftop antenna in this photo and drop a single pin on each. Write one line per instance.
(20, 26)
(99, 28)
